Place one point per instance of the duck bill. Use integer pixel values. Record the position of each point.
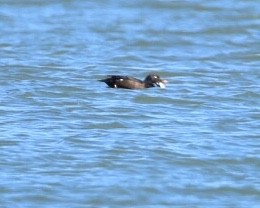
(161, 83)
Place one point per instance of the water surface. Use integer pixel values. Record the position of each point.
(69, 141)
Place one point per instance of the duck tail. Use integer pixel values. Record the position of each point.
(104, 79)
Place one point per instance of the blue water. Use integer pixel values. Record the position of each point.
(69, 141)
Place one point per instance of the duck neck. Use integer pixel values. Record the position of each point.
(149, 84)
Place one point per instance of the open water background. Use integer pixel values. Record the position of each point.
(67, 140)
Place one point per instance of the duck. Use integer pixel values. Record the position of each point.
(126, 82)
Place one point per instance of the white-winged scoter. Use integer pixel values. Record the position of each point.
(152, 80)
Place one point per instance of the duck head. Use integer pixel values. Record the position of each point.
(155, 80)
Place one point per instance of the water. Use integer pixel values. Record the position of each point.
(69, 141)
